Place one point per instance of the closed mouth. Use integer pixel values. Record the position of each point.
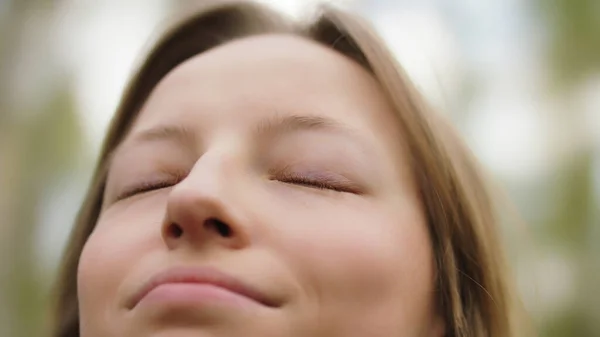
(203, 275)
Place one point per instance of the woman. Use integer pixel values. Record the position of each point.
(264, 177)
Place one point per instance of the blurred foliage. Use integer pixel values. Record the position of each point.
(574, 27)
(49, 148)
(570, 224)
(36, 152)
(574, 56)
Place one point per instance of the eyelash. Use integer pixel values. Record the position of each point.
(323, 183)
(146, 187)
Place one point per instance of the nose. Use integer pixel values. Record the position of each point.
(201, 210)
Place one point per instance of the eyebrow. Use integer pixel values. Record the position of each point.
(290, 123)
(178, 134)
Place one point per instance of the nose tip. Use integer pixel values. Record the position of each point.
(197, 215)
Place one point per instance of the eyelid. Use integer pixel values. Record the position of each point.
(144, 185)
(317, 179)
(140, 188)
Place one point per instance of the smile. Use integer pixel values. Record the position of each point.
(197, 286)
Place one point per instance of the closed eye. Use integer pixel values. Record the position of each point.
(145, 187)
(319, 181)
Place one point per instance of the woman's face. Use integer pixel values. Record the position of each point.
(264, 190)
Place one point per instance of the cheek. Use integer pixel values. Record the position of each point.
(364, 257)
(122, 237)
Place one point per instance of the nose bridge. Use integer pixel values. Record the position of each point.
(219, 168)
(208, 183)
(209, 174)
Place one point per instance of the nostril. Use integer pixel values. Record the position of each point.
(175, 230)
(222, 228)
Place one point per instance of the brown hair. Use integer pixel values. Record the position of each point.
(475, 295)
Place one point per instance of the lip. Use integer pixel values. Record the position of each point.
(201, 276)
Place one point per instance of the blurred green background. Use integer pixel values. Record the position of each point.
(520, 78)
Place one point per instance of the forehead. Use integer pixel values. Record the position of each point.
(242, 82)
